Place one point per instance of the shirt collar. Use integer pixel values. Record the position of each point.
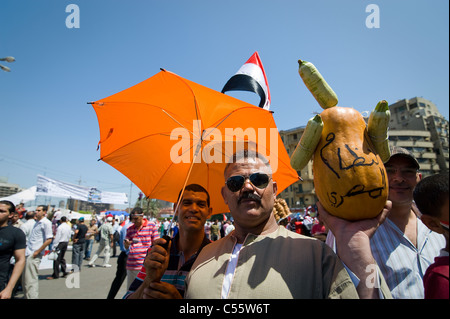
(174, 248)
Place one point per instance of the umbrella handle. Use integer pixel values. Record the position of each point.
(166, 245)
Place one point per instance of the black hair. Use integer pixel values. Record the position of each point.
(431, 193)
(44, 208)
(30, 215)
(137, 211)
(11, 206)
(245, 154)
(198, 189)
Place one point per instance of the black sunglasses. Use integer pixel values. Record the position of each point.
(259, 180)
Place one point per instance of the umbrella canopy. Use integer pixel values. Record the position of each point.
(167, 132)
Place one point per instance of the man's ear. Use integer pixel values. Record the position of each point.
(275, 188)
(419, 177)
(432, 223)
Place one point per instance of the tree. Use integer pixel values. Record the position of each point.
(150, 206)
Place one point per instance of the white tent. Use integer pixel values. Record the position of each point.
(74, 215)
(22, 197)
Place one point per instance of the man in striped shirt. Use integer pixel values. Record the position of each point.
(162, 277)
(403, 246)
(139, 238)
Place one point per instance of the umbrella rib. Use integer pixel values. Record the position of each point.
(193, 95)
(133, 141)
(218, 124)
(175, 120)
(155, 106)
(228, 115)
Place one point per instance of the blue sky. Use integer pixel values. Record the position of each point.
(49, 129)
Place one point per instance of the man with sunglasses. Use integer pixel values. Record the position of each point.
(260, 259)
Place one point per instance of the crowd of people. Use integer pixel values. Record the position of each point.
(305, 223)
(250, 254)
(38, 233)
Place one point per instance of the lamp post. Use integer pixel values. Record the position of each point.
(7, 59)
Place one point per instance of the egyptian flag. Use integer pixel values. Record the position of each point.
(251, 77)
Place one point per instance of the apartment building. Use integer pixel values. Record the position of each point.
(6, 188)
(417, 125)
(300, 194)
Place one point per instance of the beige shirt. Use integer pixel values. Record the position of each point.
(282, 264)
(91, 231)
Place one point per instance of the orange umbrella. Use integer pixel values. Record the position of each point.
(167, 132)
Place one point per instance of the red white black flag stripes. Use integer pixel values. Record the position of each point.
(251, 77)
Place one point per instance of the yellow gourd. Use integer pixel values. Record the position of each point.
(349, 176)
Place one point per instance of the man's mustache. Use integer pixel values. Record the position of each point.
(248, 195)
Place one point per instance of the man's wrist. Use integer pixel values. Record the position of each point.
(356, 255)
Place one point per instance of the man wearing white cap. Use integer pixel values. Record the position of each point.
(106, 241)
